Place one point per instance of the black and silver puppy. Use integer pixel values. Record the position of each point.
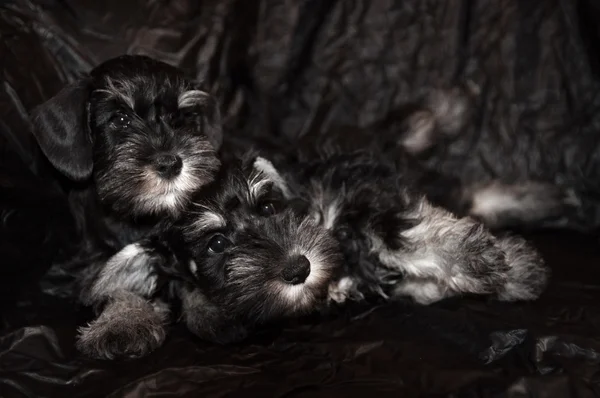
(397, 243)
(139, 132)
(241, 255)
(289, 240)
(133, 140)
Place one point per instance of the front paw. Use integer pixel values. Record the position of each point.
(126, 329)
(343, 290)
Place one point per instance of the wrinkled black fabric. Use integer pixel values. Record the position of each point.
(295, 68)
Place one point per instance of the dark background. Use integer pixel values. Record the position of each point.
(294, 68)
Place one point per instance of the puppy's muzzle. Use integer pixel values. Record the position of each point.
(168, 165)
(296, 270)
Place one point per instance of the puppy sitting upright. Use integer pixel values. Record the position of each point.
(133, 139)
(136, 138)
(143, 133)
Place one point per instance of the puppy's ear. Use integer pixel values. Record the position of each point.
(61, 128)
(207, 321)
(208, 108)
(264, 167)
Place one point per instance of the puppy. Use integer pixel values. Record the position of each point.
(284, 241)
(397, 243)
(241, 255)
(132, 141)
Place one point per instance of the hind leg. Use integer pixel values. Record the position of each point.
(445, 256)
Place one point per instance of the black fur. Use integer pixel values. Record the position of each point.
(134, 140)
(339, 206)
(394, 238)
(108, 131)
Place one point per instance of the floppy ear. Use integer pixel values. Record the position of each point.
(61, 128)
(210, 114)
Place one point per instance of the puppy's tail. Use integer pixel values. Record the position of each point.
(527, 276)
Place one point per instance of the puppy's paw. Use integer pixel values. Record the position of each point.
(344, 289)
(527, 275)
(422, 291)
(482, 266)
(127, 328)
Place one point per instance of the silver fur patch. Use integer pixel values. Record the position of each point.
(191, 98)
(123, 90)
(207, 221)
(266, 169)
(127, 270)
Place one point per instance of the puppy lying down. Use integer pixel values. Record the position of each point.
(264, 242)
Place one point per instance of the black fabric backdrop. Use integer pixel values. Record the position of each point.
(293, 68)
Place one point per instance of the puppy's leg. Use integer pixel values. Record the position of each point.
(132, 269)
(526, 204)
(444, 256)
(346, 288)
(527, 276)
(128, 327)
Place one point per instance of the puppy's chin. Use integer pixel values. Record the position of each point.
(160, 195)
(143, 192)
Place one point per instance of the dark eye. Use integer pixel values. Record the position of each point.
(120, 121)
(266, 209)
(218, 244)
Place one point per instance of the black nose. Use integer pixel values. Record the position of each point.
(168, 165)
(296, 270)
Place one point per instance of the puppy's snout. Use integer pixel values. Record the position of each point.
(296, 270)
(168, 165)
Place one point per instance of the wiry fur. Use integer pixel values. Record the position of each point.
(222, 295)
(135, 139)
(129, 326)
(244, 285)
(141, 109)
(392, 240)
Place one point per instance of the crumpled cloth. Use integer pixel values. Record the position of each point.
(294, 68)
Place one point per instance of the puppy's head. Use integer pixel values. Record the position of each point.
(146, 133)
(253, 259)
(365, 203)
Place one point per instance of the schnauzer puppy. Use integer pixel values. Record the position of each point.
(135, 138)
(240, 256)
(270, 243)
(396, 243)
